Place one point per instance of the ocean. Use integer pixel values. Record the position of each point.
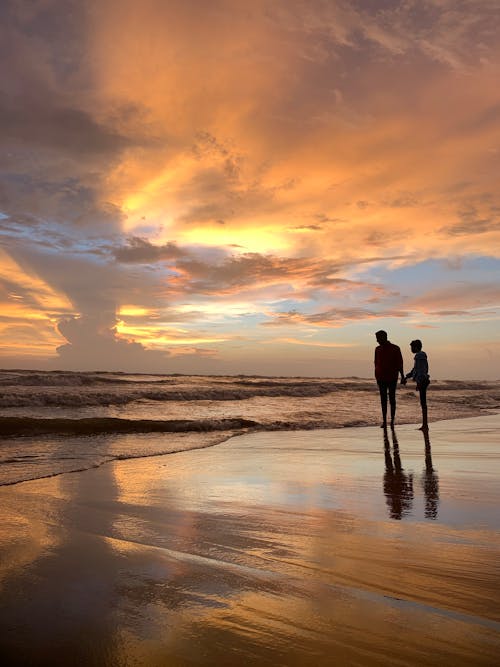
(53, 422)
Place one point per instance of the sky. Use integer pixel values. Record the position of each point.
(225, 186)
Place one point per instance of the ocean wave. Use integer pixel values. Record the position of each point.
(28, 426)
(94, 398)
(38, 389)
(57, 379)
(96, 378)
(24, 426)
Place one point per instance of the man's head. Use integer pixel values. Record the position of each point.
(381, 336)
(416, 345)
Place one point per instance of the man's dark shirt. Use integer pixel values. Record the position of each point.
(388, 362)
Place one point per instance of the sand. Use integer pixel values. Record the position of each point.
(286, 548)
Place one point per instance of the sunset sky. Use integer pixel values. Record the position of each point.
(236, 186)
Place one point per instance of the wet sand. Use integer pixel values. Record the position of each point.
(334, 547)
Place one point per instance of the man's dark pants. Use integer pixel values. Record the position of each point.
(384, 389)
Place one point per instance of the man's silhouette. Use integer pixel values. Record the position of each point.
(388, 365)
(398, 485)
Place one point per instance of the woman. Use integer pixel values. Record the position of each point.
(420, 373)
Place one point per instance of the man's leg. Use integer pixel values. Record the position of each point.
(423, 404)
(392, 399)
(382, 387)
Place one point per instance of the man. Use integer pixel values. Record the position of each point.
(388, 365)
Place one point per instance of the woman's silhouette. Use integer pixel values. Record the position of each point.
(420, 373)
(430, 482)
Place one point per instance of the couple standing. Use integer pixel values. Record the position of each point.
(389, 364)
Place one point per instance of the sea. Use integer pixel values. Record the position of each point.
(54, 422)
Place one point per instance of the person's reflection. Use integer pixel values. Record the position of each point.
(398, 486)
(430, 481)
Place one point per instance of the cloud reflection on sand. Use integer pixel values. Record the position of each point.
(277, 547)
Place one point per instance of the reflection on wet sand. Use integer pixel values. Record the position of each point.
(267, 550)
(58, 608)
(398, 485)
(430, 481)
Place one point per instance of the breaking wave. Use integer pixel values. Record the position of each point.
(27, 426)
(55, 396)
(121, 397)
(21, 426)
(72, 379)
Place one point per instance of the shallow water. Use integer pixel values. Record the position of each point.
(74, 421)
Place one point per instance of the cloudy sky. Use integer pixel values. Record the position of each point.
(225, 186)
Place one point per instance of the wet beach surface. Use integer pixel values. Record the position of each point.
(347, 546)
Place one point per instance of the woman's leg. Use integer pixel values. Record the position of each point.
(423, 404)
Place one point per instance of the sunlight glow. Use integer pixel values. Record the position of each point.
(310, 343)
(46, 297)
(135, 311)
(261, 239)
(150, 336)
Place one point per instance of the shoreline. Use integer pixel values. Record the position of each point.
(219, 439)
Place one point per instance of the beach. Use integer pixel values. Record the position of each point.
(345, 546)
(249, 333)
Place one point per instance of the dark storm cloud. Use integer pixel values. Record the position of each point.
(402, 200)
(56, 148)
(42, 45)
(210, 195)
(232, 271)
(198, 270)
(240, 271)
(202, 213)
(207, 145)
(39, 123)
(322, 217)
(475, 218)
(141, 251)
(446, 313)
(31, 201)
(253, 270)
(329, 318)
(308, 228)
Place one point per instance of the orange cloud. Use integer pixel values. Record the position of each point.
(332, 317)
(219, 153)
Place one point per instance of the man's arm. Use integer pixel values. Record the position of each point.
(411, 374)
(400, 362)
